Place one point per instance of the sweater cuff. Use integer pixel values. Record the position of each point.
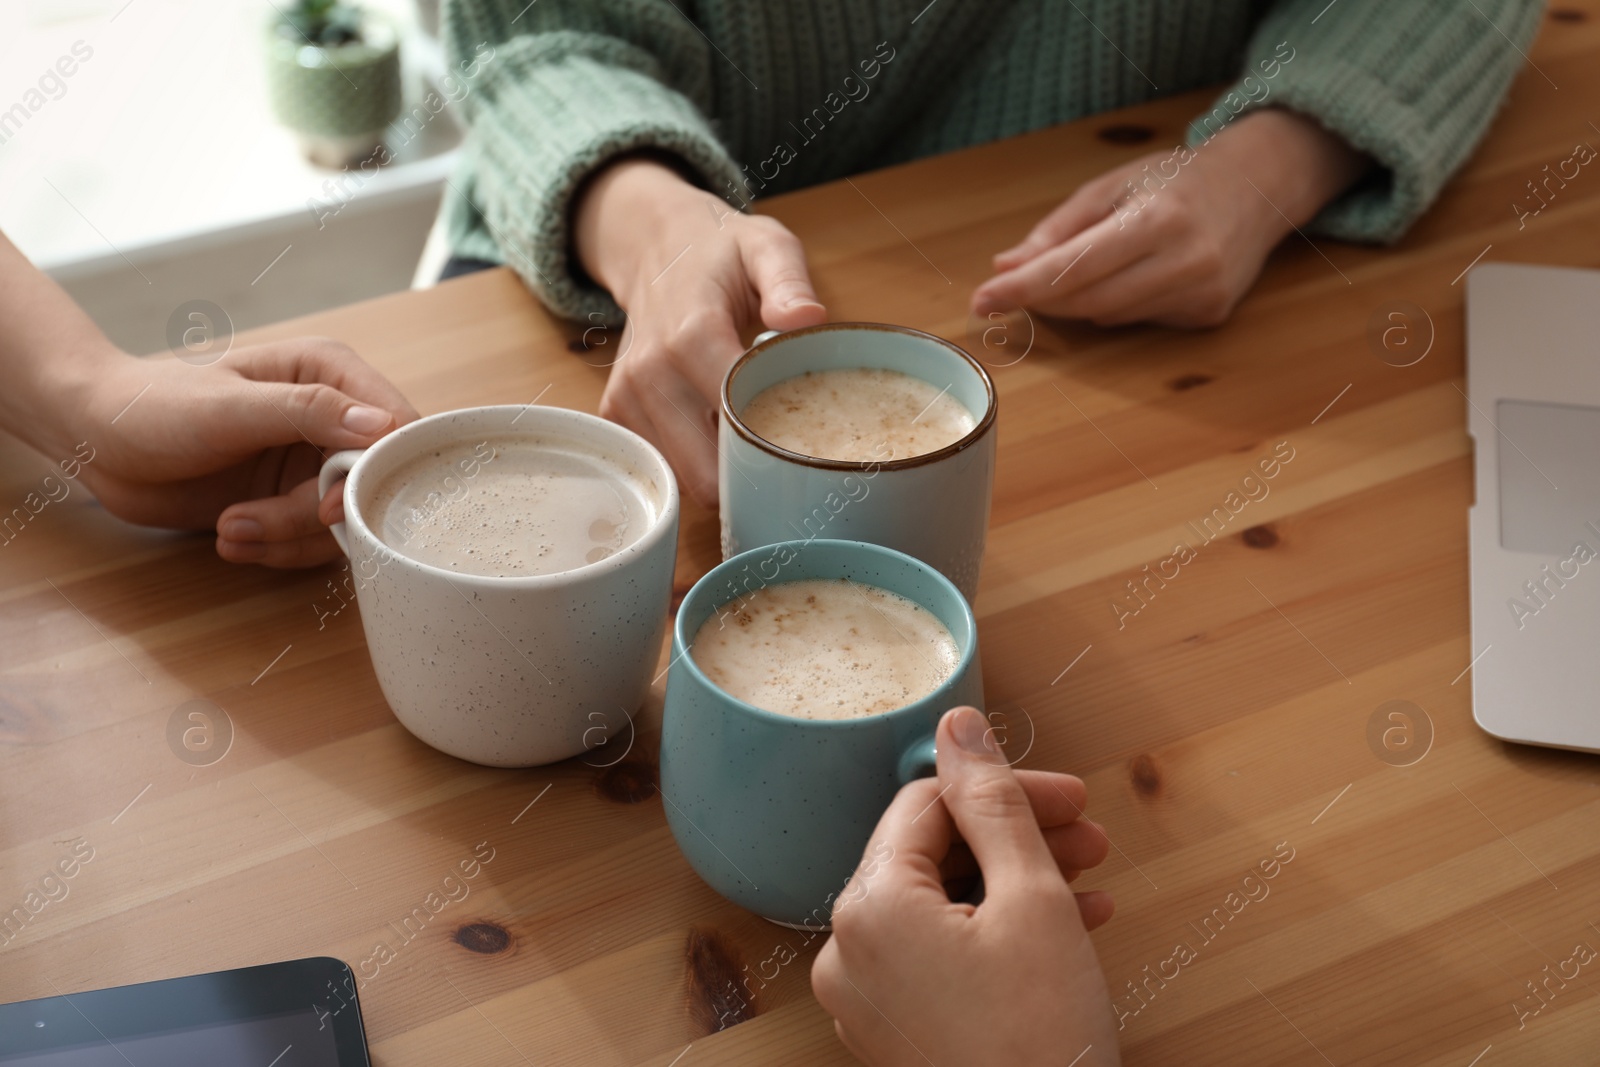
(525, 173)
(1405, 179)
(1418, 116)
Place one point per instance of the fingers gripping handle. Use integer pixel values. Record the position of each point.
(335, 467)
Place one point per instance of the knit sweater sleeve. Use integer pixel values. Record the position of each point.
(1411, 83)
(559, 88)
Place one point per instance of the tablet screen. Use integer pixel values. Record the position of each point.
(301, 1013)
(275, 1041)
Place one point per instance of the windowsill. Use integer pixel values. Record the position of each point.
(163, 134)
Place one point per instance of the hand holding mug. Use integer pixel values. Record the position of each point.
(912, 977)
(235, 445)
(232, 444)
(692, 274)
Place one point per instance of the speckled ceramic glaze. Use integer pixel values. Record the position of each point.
(511, 672)
(772, 811)
(934, 507)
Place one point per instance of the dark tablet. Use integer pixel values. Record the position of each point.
(300, 1013)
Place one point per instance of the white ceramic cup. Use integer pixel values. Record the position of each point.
(511, 672)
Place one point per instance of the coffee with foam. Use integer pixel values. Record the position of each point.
(825, 649)
(511, 507)
(859, 415)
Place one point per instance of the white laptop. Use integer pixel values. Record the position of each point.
(1533, 382)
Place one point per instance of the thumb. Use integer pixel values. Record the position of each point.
(775, 262)
(989, 806)
(252, 415)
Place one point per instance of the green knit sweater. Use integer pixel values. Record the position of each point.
(761, 96)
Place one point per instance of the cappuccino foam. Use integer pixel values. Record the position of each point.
(510, 507)
(858, 415)
(826, 649)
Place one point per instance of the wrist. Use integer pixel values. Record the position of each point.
(52, 357)
(56, 406)
(621, 212)
(1295, 162)
(86, 394)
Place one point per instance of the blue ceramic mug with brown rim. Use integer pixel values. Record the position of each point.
(933, 506)
(774, 811)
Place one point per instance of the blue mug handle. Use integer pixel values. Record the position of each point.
(918, 761)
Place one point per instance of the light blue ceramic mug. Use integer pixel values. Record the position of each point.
(774, 811)
(933, 506)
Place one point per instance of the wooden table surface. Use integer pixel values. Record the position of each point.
(1437, 875)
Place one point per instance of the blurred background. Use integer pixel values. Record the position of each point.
(147, 159)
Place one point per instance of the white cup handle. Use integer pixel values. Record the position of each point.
(765, 335)
(335, 467)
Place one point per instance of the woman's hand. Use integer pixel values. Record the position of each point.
(1176, 237)
(235, 445)
(911, 978)
(693, 275)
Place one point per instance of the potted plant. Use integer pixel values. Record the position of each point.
(333, 76)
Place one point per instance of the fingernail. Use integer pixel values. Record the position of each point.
(362, 419)
(242, 530)
(971, 731)
(800, 302)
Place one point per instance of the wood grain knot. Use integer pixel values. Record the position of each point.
(1567, 14)
(718, 995)
(484, 938)
(1126, 133)
(627, 782)
(1146, 776)
(577, 344)
(1263, 536)
(1189, 381)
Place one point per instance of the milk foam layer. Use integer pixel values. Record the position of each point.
(825, 649)
(858, 415)
(510, 507)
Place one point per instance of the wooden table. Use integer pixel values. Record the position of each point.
(1435, 872)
